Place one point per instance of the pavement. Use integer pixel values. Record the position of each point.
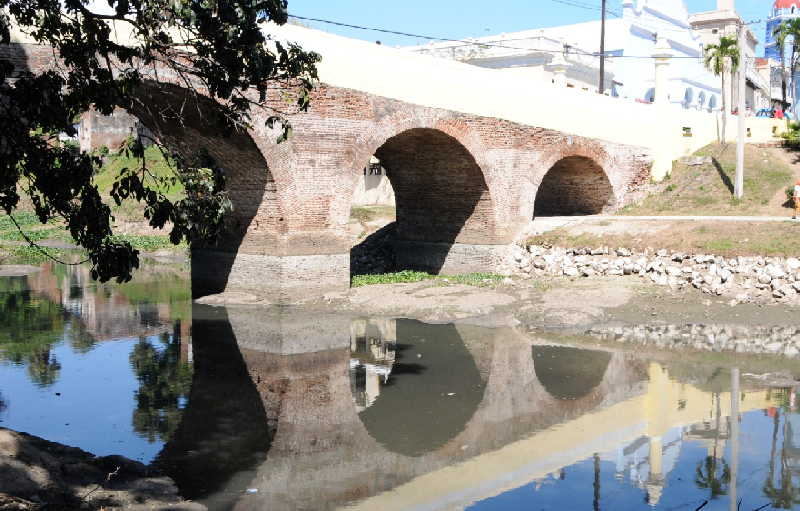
(544, 224)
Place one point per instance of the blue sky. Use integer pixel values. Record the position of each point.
(458, 19)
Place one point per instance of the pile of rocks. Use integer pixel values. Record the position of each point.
(374, 255)
(783, 340)
(741, 278)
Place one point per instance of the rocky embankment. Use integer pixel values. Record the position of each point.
(39, 475)
(782, 340)
(743, 279)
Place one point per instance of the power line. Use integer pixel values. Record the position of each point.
(583, 5)
(465, 42)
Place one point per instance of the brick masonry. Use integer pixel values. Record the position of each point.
(465, 185)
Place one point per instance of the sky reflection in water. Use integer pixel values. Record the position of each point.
(334, 411)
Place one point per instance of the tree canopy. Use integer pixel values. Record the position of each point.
(216, 47)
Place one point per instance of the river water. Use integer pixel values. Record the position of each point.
(279, 409)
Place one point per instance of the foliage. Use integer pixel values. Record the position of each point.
(408, 276)
(721, 59)
(714, 475)
(215, 47)
(723, 56)
(788, 30)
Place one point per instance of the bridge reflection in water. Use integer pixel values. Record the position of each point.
(289, 411)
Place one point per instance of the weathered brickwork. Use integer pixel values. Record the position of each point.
(574, 185)
(464, 183)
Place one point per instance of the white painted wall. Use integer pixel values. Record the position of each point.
(451, 85)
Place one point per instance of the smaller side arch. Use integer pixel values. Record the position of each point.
(574, 185)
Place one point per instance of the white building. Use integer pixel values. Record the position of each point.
(630, 43)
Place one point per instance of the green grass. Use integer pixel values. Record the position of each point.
(23, 218)
(706, 189)
(36, 235)
(26, 254)
(147, 243)
(156, 165)
(408, 276)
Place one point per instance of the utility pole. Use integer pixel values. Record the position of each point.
(738, 186)
(602, 88)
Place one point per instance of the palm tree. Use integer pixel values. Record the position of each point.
(721, 59)
(790, 30)
(780, 41)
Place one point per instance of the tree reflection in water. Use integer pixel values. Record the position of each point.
(164, 381)
(713, 474)
(785, 494)
(29, 327)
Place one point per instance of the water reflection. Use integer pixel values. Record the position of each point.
(58, 325)
(360, 420)
(415, 395)
(253, 408)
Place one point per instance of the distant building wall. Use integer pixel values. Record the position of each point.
(373, 190)
(98, 130)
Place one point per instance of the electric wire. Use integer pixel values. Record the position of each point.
(466, 42)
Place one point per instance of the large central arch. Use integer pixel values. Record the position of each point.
(441, 197)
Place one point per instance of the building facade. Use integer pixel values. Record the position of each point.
(631, 41)
(724, 21)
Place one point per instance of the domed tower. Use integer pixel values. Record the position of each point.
(782, 10)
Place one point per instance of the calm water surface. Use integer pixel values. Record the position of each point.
(276, 409)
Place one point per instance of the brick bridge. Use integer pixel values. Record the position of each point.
(466, 185)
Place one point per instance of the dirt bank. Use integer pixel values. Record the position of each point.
(37, 474)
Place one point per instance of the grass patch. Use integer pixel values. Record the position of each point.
(26, 254)
(409, 276)
(364, 214)
(147, 243)
(23, 218)
(36, 235)
(728, 239)
(708, 189)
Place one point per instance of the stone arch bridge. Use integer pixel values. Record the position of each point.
(466, 184)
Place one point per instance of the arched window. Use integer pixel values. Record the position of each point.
(688, 96)
(712, 103)
(701, 100)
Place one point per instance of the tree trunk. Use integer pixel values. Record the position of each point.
(724, 107)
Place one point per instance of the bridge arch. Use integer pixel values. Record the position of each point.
(427, 393)
(442, 190)
(567, 373)
(191, 124)
(574, 184)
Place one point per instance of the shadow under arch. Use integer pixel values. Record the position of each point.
(224, 434)
(434, 389)
(574, 185)
(569, 373)
(441, 196)
(190, 124)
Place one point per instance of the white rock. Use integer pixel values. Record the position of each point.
(793, 263)
(570, 271)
